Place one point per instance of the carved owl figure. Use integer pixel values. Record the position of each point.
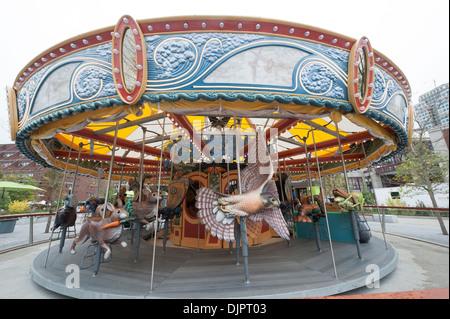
(259, 199)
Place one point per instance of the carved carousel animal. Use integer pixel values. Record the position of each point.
(258, 202)
(177, 191)
(103, 230)
(135, 186)
(308, 210)
(219, 122)
(99, 210)
(92, 203)
(353, 203)
(145, 211)
(348, 202)
(122, 196)
(66, 215)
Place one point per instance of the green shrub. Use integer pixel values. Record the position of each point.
(19, 207)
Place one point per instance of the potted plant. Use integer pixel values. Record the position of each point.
(8, 224)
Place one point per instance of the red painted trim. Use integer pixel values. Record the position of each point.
(357, 137)
(109, 139)
(125, 23)
(105, 158)
(324, 159)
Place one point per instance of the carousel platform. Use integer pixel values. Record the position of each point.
(276, 271)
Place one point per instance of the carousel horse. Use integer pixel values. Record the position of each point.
(103, 230)
(66, 215)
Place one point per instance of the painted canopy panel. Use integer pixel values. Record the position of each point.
(184, 65)
(199, 74)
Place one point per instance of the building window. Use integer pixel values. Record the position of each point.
(355, 183)
(23, 164)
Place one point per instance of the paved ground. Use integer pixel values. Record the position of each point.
(21, 234)
(421, 265)
(421, 228)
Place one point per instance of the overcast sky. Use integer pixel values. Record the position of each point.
(414, 34)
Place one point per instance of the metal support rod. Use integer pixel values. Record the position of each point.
(352, 218)
(99, 180)
(30, 231)
(324, 207)
(137, 223)
(137, 233)
(65, 173)
(379, 215)
(198, 219)
(121, 177)
(97, 260)
(279, 178)
(64, 229)
(141, 164)
(342, 159)
(230, 243)
(59, 198)
(62, 239)
(279, 171)
(291, 204)
(157, 201)
(76, 168)
(375, 197)
(113, 152)
(308, 173)
(308, 176)
(243, 223)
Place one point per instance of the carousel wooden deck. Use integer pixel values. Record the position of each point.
(276, 271)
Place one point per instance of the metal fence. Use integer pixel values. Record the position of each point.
(29, 229)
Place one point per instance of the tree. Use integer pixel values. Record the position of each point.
(50, 179)
(22, 195)
(424, 170)
(333, 181)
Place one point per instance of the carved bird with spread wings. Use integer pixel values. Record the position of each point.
(259, 199)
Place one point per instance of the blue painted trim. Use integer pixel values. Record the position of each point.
(345, 107)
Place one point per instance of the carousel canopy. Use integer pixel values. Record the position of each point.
(177, 88)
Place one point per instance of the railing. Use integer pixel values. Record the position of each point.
(30, 229)
(406, 208)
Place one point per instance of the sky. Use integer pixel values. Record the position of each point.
(413, 34)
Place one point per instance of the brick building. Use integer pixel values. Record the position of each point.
(14, 162)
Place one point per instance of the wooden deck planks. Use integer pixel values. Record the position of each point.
(276, 270)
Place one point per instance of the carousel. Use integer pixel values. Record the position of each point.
(211, 121)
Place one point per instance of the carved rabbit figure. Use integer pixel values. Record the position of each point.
(99, 210)
(145, 211)
(92, 228)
